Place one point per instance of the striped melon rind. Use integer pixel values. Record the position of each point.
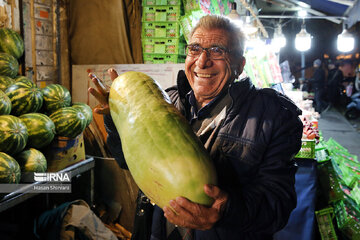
(5, 104)
(5, 82)
(9, 169)
(25, 97)
(9, 66)
(11, 42)
(56, 96)
(69, 122)
(13, 134)
(86, 110)
(41, 129)
(31, 160)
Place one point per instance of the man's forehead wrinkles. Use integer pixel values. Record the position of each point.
(213, 40)
(212, 37)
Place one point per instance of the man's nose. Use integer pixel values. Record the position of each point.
(204, 59)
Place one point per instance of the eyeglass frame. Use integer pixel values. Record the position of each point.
(207, 51)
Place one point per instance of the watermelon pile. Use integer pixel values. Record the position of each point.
(30, 117)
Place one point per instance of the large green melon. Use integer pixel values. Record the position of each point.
(69, 122)
(162, 152)
(22, 79)
(86, 110)
(25, 97)
(5, 104)
(9, 169)
(31, 160)
(5, 82)
(9, 65)
(13, 134)
(11, 42)
(56, 96)
(41, 129)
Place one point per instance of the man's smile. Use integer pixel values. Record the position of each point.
(204, 75)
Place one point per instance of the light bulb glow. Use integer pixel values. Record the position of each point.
(302, 13)
(345, 42)
(278, 42)
(256, 46)
(303, 41)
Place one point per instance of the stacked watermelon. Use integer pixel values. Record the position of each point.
(31, 117)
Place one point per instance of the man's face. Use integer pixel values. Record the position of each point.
(348, 70)
(207, 77)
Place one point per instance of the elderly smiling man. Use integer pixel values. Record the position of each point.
(251, 134)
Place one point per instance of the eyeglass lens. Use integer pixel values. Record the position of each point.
(213, 52)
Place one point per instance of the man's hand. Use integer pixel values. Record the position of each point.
(194, 215)
(101, 93)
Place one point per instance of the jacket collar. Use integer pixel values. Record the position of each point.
(238, 90)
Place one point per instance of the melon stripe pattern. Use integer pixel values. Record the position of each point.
(9, 66)
(11, 42)
(41, 129)
(9, 169)
(25, 97)
(69, 122)
(86, 110)
(5, 104)
(22, 79)
(162, 152)
(31, 160)
(56, 96)
(13, 134)
(5, 82)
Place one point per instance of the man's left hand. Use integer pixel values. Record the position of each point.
(194, 215)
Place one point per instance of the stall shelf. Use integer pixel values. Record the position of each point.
(14, 198)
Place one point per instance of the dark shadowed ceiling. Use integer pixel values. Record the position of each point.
(325, 20)
(347, 11)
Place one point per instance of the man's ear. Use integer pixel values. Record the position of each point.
(242, 62)
(238, 67)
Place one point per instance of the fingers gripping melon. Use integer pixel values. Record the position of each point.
(162, 152)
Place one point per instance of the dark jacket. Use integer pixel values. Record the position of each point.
(318, 78)
(252, 153)
(334, 78)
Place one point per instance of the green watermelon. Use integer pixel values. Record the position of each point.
(9, 169)
(5, 104)
(5, 82)
(9, 66)
(11, 42)
(31, 160)
(25, 97)
(22, 79)
(164, 156)
(86, 110)
(56, 96)
(41, 129)
(69, 122)
(13, 134)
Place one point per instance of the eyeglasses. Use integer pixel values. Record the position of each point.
(214, 53)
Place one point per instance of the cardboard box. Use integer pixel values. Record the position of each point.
(63, 152)
(307, 149)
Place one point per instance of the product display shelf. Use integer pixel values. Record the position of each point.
(162, 40)
(14, 198)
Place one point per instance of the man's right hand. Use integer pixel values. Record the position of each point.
(101, 93)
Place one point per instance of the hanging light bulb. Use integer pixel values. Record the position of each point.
(249, 26)
(279, 40)
(234, 16)
(345, 41)
(303, 40)
(243, 22)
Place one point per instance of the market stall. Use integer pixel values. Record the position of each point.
(54, 155)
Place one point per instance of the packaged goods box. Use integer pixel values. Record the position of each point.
(63, 152)
(307, 149)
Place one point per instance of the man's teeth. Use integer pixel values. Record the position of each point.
(204, 75)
